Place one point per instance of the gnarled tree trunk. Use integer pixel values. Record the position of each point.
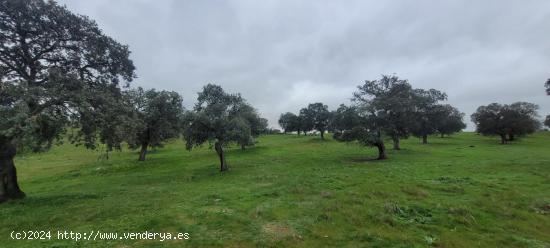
(9, 188)
(143, 151)
(396, 145)
(425, 139)
(221, 155)
(381, 150)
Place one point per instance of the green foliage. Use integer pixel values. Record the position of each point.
(428, 113)
(359, 133)
(392, 101)
(450, 120)
(248, 126)
(316, 116)
(221, 118)
(517, 119)
(104, 119)
(399, 110)
(306, 120)
(239, 131)
(344, 118)
(289, 122)
(158, 117)
(56, 69)
(354, 125)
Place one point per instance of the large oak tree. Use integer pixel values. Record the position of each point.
(392, 101)
(56, 69)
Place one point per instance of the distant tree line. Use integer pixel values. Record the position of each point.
(315, 116)
(388, 107)
(391, 107)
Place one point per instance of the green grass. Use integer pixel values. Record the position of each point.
(461, 191)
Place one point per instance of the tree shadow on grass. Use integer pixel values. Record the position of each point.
(208, 171)
(247, 150)
(362, 159)
(56, 200)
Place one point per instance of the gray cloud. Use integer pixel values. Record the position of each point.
(283, 54)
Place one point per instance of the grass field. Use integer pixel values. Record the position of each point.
(461, 191)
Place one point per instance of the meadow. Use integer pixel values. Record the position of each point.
(293, 191)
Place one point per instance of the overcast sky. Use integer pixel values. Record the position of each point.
(282, 55)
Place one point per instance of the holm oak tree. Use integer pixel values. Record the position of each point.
(220, 118)
(158, 117)
(57, 69)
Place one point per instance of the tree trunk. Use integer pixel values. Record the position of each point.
(396, 143)
(143, 151)
(503, 139)
(511, 137)
(243, 147)
(298, 132)
(425, 139)
(221, 155)
(322, 134)
(9, 188)
(442, 135)
(381, 150)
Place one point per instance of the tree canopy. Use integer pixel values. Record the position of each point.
(289, 122)
(306, 121)
(158, 117)
(355, 123)
(449, 121)
(57, 69)
(344, 118)
(221, 118)
(317, 117)
(427, 112)
(506, 121)
(248, 127)
(392, 101)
